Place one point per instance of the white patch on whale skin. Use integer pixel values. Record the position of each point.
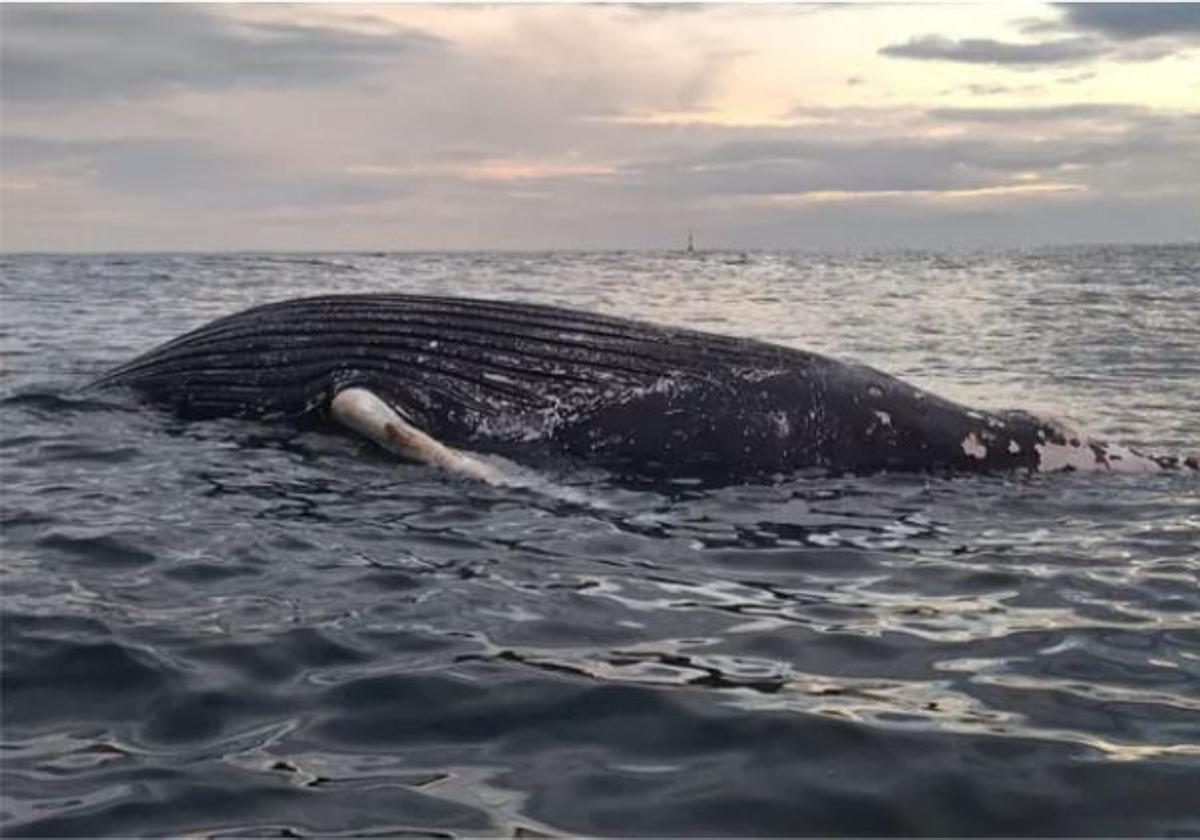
(1056, 457)
(781, 424)
(1014, 447)
(1084, 453)
(972, 447)
(756, 375)
(885, 419)
(1093, 456)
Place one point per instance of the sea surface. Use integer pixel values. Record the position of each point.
(231, 629)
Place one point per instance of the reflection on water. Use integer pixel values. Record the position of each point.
(233, 629)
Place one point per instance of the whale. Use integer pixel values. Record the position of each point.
(442, 380)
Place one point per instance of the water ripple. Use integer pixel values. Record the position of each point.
(230, 629)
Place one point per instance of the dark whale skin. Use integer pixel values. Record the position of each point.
(495, 375)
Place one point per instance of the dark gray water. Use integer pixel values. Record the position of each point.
(226, 628)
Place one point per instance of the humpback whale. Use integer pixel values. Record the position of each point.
(435, 378)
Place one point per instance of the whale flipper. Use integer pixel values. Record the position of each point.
(363, 412)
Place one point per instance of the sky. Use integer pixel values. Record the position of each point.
(410, 127)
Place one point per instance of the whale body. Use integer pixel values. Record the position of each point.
(504, 376)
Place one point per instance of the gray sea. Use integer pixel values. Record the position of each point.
(229, 628)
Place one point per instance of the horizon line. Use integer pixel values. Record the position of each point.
(723, 249)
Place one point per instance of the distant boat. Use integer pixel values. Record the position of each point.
(734, 258)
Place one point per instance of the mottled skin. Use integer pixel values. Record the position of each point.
(490, 375)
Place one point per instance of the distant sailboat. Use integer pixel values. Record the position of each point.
(691, 248)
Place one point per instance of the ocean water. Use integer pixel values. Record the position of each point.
(230, 629)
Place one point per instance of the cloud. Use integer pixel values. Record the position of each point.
(1090, 31)
(179, 174)
(1076, 78)
(85, 52)
(990, 51)
(809, 167)
(941, 195)
(1040, 113)
(278, 126)
(460, 167)
(719, 177)
(1133, 21)
(1140, 149)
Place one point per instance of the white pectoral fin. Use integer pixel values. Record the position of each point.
(363, 412)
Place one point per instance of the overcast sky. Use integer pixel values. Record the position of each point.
(267, 127)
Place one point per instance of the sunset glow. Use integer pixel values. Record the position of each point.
(207, 126)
